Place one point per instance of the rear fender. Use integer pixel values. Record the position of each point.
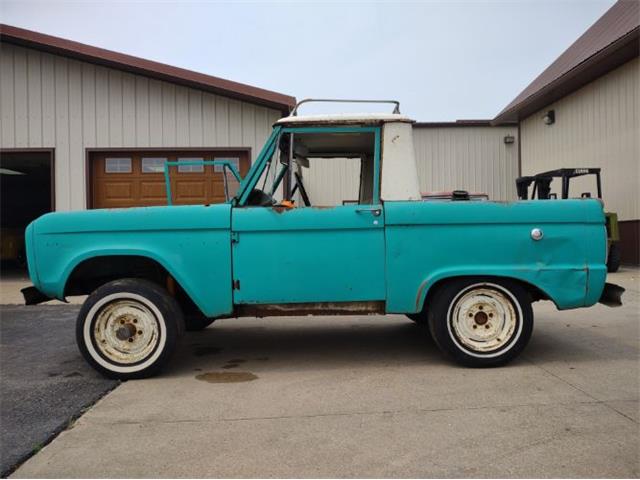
(565, 287)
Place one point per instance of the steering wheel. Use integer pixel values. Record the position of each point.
(258, 198)
(303, 192)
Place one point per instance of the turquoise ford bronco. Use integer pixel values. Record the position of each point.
(469, 270)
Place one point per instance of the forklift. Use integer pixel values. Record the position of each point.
(542, 191)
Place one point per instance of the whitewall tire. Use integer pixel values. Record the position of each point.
(481, 322)
(129, 328)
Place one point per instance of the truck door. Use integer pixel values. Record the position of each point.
(315, 253)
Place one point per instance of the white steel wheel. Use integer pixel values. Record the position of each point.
(481, 322)
(128, 328)
(484, 319)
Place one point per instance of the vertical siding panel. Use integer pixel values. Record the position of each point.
(471, 158)
(63, 187)
(88, 105)
(235, 123)
(34, 93)
(7, 97)
(21, 101)
(222, 121)
(129, 134)
(249, 128)
(142, 111)
(115, 108)
(195, 118)
(156, 103)
(595, 126)
(76, 157)
(102, 107)
(168, 115)
(48, 101)
(209, 119)
(182, 116)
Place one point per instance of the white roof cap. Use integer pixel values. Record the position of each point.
(371, 118)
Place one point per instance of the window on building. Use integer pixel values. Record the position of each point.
(235, 161)
(190, 168)
(153, 164)
(117, 165)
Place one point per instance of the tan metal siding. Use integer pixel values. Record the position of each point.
(448, 158)
(596, 126)
(51, 101)
(329, 181)
(475, 159)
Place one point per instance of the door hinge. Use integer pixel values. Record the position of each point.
(236, 284)
(235, 237)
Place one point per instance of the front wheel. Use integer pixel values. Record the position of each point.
(128, 328)
(481, 322)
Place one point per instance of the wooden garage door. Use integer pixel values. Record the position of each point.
(132, 179)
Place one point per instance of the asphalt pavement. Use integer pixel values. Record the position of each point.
(44, 382)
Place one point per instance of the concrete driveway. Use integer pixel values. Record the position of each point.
(371, 397)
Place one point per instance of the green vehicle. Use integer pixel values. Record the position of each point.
(470, 270)
(542, 191)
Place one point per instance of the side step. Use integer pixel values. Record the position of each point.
(611, 295)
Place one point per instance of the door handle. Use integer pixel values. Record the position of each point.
(375, 211)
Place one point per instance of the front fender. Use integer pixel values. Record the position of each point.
(193, 243)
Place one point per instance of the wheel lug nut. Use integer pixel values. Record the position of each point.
(491, 315)
(470, 315)
(475, 326)
(139, 332)
(135, 320)
(130, 339)
(121, 322)
(487, 326)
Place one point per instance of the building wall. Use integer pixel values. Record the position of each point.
(56, 102)
(475, 159)
(448, 158)
(596, 126)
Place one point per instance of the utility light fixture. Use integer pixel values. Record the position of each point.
(549, 118)
(509, 139)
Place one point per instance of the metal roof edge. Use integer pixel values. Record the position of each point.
(121, 61)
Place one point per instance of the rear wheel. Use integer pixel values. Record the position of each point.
(129, 328)
(481, 322)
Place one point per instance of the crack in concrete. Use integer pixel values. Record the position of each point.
(379, 412)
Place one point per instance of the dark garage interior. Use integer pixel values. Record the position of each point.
(25, 194)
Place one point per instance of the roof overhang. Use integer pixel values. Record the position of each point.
(616, 54)
(459, 123)
(140, 66)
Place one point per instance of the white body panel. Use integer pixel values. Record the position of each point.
(399, 177)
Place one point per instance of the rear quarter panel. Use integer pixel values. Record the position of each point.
(430, 241)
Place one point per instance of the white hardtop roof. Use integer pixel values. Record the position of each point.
(370, 118)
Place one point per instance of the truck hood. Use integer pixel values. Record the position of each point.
(175, 217)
